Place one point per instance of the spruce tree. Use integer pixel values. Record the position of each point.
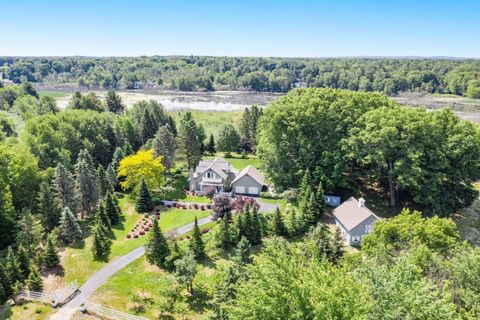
(144, 201)
(164, 145)
(70, 230)
(248, 225)
(4, 281)
(86, 188)
(102, 218)
(118, 155)
(64, 186)
(242, 252)
(256, 227)
(112, 209)
(338, 246)
(308, 215)
(320, 235)
(100, 244)
(211, 145)
(188, 142)
(279, 227)
(225, 233)
(12, 270)
(112, 179)
(320, 202)
(102, 182)
(34, 281)
(239, 226)
(196, 244)
(29, 232)
(51, 257)
(156, 248)
(48, 207)
(3, 295)
(147, 126)
(23, 262)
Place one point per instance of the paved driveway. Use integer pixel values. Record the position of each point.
(102, 275)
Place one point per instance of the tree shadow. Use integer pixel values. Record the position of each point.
(5, 311)
(199, 301)
(120, 225)
(55, 271)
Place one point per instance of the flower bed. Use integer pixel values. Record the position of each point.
(142, 227)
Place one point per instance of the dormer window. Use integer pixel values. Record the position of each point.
(209, 175)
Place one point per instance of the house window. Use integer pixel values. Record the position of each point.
(355, 239)
(209, 175)
(368, 228)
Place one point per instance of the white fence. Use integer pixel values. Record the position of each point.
(54, 299)
(113, 314)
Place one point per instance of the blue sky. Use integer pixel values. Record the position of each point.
(241, 28)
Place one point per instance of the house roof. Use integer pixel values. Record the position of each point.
(350, 215)
(219, 165)
(252, 172)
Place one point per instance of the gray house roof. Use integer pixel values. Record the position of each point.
(219, 165)
(252, 172)
(350, 214)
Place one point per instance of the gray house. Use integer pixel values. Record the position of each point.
(219, 173)
(354, 220)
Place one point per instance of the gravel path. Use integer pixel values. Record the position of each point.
(101, 276)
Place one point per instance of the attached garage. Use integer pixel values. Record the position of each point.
(239, 189)
(253, 190)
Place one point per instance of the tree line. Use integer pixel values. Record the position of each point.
(190, 73)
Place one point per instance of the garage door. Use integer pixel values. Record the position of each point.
(252, 190)
(239, 189)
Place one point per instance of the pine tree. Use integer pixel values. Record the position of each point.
(23, 262)
(211, 145)
(51, 257)
(156, 248)
(3, 295)
(114, 102)
(102, 181)
(100, 244)
(164, 145)
(320, 235)
(338, 247)
(111, 175)
(188, 143)
(242, 252)
(147, 126)
(308, 217)
(117, 156)
(224, 293)
(320, 203)
(48, 207)
(239, 226)
(144, 201)
(64, 187)
(34, 281)
(12, 270)
(225, 233)
(112, 209)
(256, 227)
(29, 232)
(248, 225)
(196, 244)
(4, 281)
(279, 227)
(185, 270)
(86, 188)
(70, 230)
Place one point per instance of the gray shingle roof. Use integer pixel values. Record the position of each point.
(253, 173)
(219, 165)
(350, 215)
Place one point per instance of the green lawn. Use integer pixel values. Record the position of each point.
(237, 162)
(78, 262)
(212, 121)
(28, 310)
(54, 94)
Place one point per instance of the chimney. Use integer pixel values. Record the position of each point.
(361, 202)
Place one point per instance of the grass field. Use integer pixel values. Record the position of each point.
(237, 161)
(78, 261)
(29, 310)
(212, 121)
(54, 94)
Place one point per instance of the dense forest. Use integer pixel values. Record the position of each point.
(191, 73)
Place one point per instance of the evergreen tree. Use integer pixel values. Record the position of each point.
(279, 227)
(86, 189)
(292, 219)
(147, 126)
(102, 182)
(114, 102)
(64, 187)
(224, 293)
(320, 235)
(100, 244)
(3, 295)
(111, 177)
(188, 143)
(225, 233)
(308, 215)
(338, 246)
(23, 262)
(211, 145)
(70, 230)
(248, 225)
(127, 149)
(117, 156)
(8, 222)
(156, 248)
(185, 270)
(102, 218)
(242, 252)
(196, 244)
(51, 257)
(320, 202)
(239, 224)
(164, 145)
(30, 232)
(112, 209)
(256, 227)
(5, 283)
(48, 207)
(144, 201)
(12, 270)
(34, 281)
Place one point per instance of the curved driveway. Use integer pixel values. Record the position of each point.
(102, 275)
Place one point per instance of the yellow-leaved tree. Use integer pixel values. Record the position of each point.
(142, 164)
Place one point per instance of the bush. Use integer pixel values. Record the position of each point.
(268, 195)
